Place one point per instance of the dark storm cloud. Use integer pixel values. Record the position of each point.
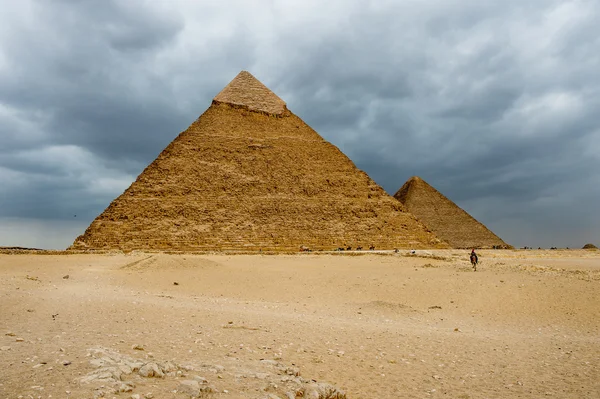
(493, 103)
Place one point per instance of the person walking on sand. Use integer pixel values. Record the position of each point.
(474, 259)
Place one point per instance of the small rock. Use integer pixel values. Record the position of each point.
(66, 362)
(149, 395)
(175, 283)
(320, 390)
(19, 340)
(151, 370)
(135, 396)
(126, 388)
(137, 347)
(66, 277)
(190, 387)
(10, 334)
(261, 376)
(5, 348)
(201, 380)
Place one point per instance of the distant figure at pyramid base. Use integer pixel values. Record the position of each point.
(444, 218)
(249, 175)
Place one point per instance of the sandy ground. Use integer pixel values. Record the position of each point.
(525, 325)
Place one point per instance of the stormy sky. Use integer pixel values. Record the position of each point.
(494, 103)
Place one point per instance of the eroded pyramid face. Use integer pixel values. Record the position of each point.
(250, 175)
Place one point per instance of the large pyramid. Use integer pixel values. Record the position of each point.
(250, 175)
(442, 216)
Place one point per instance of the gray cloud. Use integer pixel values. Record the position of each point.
(492, 103)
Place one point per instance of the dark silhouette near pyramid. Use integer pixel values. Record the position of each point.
(443, 217)
(250, 175)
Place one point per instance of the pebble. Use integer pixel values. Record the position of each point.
(125, 388)
(10, 334)
(137, 347)
(5, 348)
(151, 370)
(190, 387)
(66, 362)
(200, 379)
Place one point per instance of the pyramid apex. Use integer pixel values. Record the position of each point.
(247, 91)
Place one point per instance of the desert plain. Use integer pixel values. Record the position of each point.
(526, 324)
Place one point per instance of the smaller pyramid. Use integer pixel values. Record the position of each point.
(248, 92)
(444, 218)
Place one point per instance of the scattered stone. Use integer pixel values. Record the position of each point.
(175, 283)
(151, 370)
(10, 334)
(320, 391)
(66, 277)
(126, 387)
(113, 370)
(19, 340)
(189, 387)
(137, 347)
(5, 348)
(135, 396)
(66, 362)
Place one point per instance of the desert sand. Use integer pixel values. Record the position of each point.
(424, 325)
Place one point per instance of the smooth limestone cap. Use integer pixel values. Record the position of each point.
(247, 91)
